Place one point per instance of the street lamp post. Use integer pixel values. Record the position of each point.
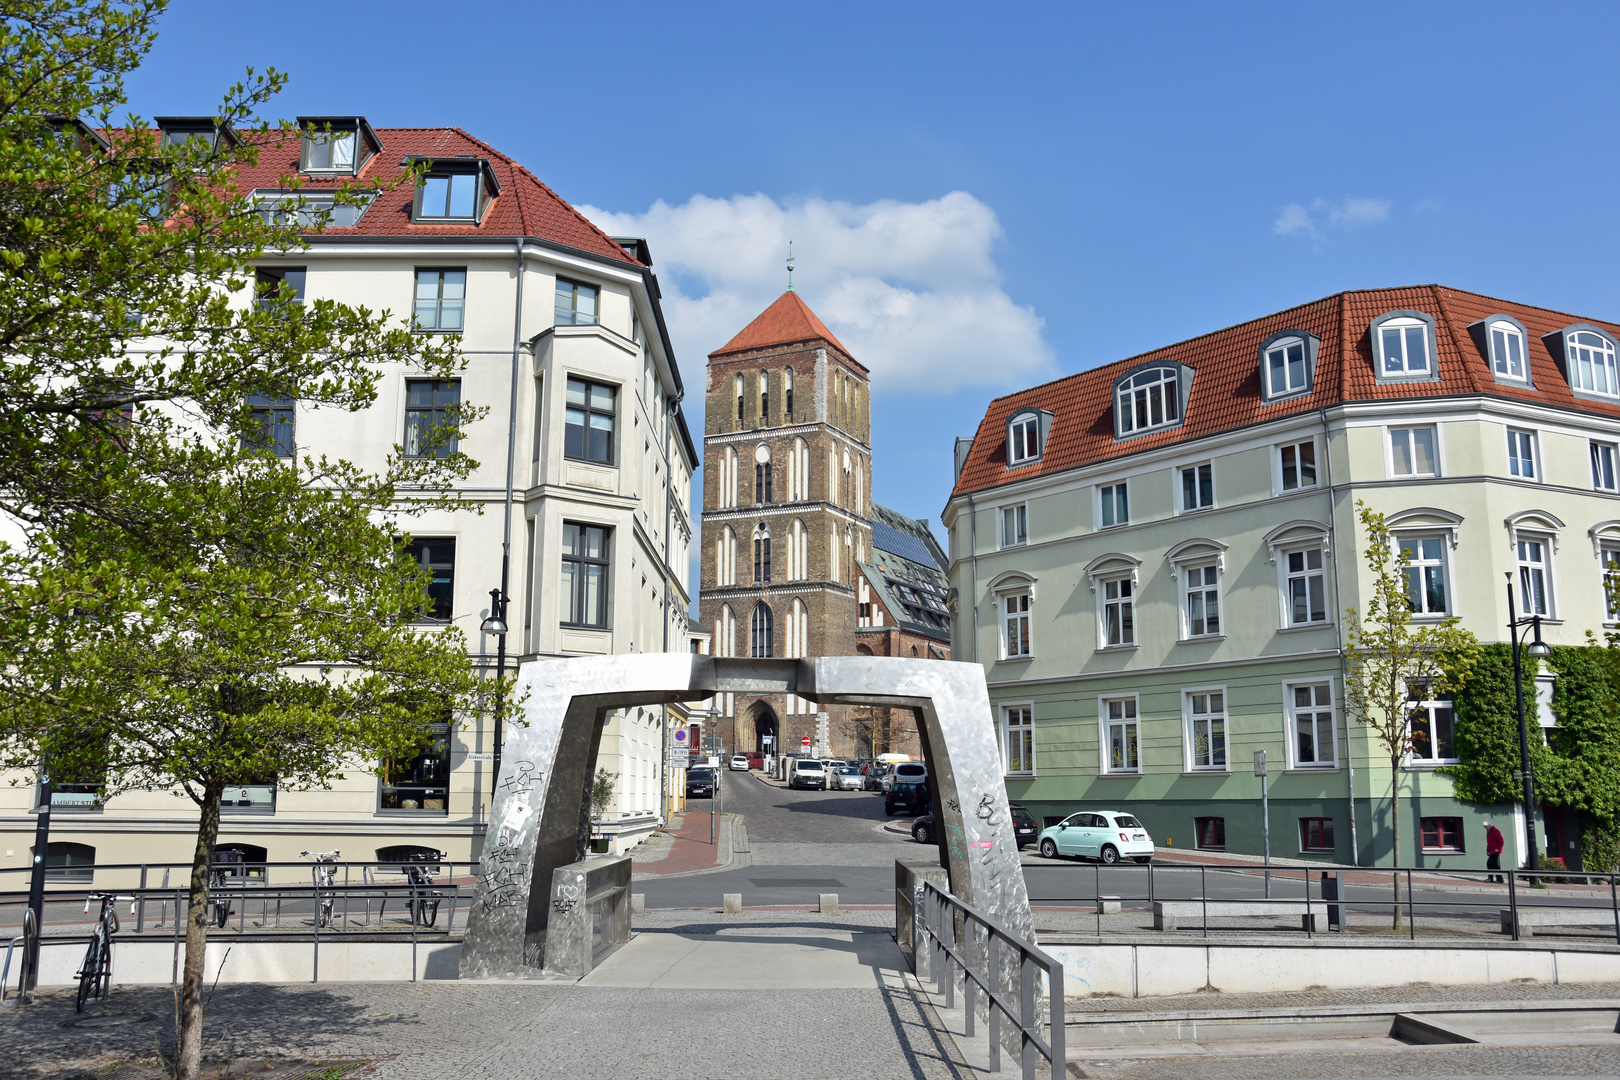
(1537, 651)
(496, 624)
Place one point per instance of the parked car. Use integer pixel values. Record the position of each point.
(906, 798)
(739, 763)
(756, 760)
(1025, 827)
(847, 778)
(808, 773)
(873, 780)
(906, 772)
(701, 782)
(924, 831)
(1105, 835)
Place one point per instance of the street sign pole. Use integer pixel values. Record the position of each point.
(1265, 812)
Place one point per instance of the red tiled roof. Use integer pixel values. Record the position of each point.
(787, 321)
(524, 207)
(1226, 393)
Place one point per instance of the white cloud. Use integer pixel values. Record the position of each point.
(1315, 220)
(911, 288)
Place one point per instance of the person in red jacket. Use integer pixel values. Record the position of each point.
(1493, 851)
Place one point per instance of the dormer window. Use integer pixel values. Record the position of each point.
(1403, 346)
(1150, 398)
(336, 144)
(179, 130)
(1287, 362)
(1591, 362)
(1507, 350)
(1024, 443)
(455, 190)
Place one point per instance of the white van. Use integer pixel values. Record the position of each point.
(905, 772)
(807, 773)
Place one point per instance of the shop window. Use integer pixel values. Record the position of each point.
(1316, 834)
(420, 784)
(1211, 832)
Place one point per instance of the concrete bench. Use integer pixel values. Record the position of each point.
(1530, 918)
(1167, 913)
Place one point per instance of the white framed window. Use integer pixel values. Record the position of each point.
(1609, 560)
(1286, 371)
(1015, 639)
(1121, 749)
(1535, 576)
(1430, 734)
(1413, 451)
(1024, 438)
(1403, 347)
(1296, 464)
(1427, 590)
(1304, 585)
(1521, 453)
(1603, 474)
(1205, 712)
(1118, 612)
(1311, 733)
(1591, 363)
(1014, 525)
(1018, 739)
(1201, 609)
(1114, 505)
(1197, 487)
(1507, 351)
(1149, 399)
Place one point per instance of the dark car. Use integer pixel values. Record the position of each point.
(700, 782)
(904, 798)
(872, 779)
(924, 831)
(1025, 828)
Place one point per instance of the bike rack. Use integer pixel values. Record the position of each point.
(24, 995)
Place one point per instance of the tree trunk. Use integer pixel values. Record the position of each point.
(188, 1055)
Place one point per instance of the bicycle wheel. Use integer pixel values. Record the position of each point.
(222, 913)
(91, 972)
(430, 912)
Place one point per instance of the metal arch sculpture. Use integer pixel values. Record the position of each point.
(540, 819)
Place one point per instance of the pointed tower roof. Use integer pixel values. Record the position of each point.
(787, 321)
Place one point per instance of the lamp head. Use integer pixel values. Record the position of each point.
(1538, 650)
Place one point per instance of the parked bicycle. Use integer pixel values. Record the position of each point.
(424, 907)
(95, 974)
(325, 874)
(219, 873)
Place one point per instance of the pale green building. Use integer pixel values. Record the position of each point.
(1152, 560)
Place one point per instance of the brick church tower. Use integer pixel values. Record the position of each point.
(787, 468)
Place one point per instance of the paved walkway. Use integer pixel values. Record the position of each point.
(688, 848)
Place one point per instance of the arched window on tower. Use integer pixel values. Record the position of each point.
(725, 567)
(728, 478)
(798, 639)
(787, 392)
(763, 634)
(739, 400)
(762, 555)
(799, 475)
(762, 474)
(725, 631)
(765, 397)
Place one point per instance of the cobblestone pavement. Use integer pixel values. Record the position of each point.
(519, 1030)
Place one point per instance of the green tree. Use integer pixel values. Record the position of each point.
(185, 612)
(1390, 664)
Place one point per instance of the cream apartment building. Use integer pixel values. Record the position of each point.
(566, 346)
(1152, 560)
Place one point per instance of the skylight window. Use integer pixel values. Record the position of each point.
(1149, 399)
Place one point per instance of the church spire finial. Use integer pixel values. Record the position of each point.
(790, 266)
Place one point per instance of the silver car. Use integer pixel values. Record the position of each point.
(846, 778)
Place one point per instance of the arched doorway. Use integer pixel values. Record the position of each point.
(763, 723)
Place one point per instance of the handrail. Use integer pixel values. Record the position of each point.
(940, 910)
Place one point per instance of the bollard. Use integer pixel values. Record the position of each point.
(1108, 905)
(731, 903)
(638, 903)
(828, 903)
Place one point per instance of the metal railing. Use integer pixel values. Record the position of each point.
(1317, 891)
(1002, 950)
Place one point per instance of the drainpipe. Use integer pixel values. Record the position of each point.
(506, 533)
(973, 559)
(1333, 538)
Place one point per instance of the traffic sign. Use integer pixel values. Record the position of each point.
(680, 737)
(805, 742)
(680, 758)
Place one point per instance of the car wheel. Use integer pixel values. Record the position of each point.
(919, 834)
(1110, 855)
(1048, 849)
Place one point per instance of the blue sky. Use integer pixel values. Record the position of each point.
(982, 198)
